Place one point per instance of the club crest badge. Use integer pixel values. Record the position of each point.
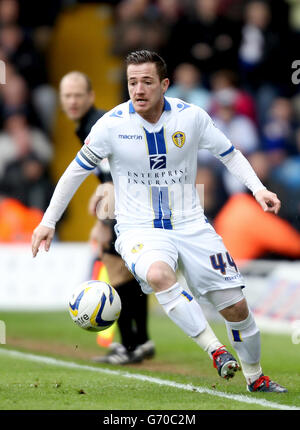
(136, 248)
(178, 139)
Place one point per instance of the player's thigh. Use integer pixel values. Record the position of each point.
(223, 299)
(205, 261)
(141, 248)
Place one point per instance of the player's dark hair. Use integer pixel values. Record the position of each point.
(145, 56)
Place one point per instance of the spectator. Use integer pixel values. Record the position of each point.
(19, 50)
(244, 102)
(39, 25)
(169, 11)
(286, 180)
(138, 27)
(21, 53)
(25, 156)
(277, 132)
(128, 10)
(9, 12)
(16, 99)
(239, 129)
(206, 39)
(27, 180)
(260, 48)
(188, 86)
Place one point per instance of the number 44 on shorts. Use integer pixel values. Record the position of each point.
(218, 262)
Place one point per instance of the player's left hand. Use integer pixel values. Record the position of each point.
(268, 201)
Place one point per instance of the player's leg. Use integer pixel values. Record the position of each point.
(179, 304)
(185, 311)
(244, 336)
(152, 257)
(213, 273)
(176, 302)
(132, 323)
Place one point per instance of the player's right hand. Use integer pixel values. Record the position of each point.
(40, 234)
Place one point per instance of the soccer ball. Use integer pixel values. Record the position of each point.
(94, 305)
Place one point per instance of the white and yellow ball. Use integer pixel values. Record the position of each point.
(94, 305)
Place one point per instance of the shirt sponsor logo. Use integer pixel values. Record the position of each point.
(130, 136)
(158, 162)
(178, 139)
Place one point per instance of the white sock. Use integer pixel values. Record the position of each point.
(207, 340)
(245, 339)
(182, 309)
(251, 371)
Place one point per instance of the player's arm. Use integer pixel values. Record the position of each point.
(268, 201)
(240, 167)
(66, 187)
(215, 141)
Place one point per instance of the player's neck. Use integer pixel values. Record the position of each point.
(154, 115)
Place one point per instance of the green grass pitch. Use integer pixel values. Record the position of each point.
(189, 380)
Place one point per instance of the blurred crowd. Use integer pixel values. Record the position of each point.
(233, 58)
(27, 110)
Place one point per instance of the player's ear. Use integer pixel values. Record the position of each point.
(165, 84)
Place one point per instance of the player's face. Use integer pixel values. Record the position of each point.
(75, 99)
(146, 90)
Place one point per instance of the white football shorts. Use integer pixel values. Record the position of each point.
(196, 250)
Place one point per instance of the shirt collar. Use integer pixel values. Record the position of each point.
(167, 106)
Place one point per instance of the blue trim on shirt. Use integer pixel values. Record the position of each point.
(227, 152)
(82, 164)
(167, 106)
(131, 108)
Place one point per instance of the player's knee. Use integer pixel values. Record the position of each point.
(237, 312)
(160, 276)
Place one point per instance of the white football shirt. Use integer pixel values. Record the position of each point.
(154, 166)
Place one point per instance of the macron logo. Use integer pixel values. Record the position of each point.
(130, 136)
